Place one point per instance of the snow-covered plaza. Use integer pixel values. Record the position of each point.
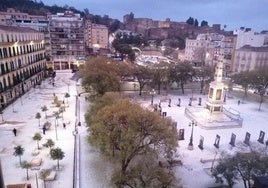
(93, 169)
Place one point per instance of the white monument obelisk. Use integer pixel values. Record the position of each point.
(216, 90)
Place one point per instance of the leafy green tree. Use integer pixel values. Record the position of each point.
(43, 174)
(181, 73)
(49, 144)
(38, 116)
(190, 21)
(114, 26)
(204, 23)
(160, 75)
(243, 166)
(26, 165)
(57, 154)
(44, 109)
(37, 137)
(143, 75)
(196, 23)
(102, 75)
(125, 131)
(61, 111)
(243, 79)
(56, 115)
(18, 151)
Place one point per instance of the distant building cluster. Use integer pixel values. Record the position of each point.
(30, 44)
(68, 37)
(244, 50)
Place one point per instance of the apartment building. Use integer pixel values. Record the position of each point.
(13, 17)
(96, 35)
(67, 40)
(245, 36)
(250, 58)
(22, 61)
(195, 50)
(210, 49)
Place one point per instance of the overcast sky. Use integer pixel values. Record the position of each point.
(233, 13)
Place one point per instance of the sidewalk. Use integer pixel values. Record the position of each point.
(23, 119)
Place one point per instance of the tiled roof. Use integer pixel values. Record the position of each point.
(17, 29)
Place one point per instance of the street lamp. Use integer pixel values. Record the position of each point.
(191, 145)
(152, 93)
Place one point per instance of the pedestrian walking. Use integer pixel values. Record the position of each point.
(238, 102)
(44, 129)
(64, 125)
(15, 131)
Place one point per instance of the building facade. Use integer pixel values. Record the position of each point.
(67, 40)
(96, 35)
(250, 58)
(22, 61)
(245, 36)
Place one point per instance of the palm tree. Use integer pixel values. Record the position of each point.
(43, 174)
(57, 154)
(67, 95)
(19, 150)
(38, 116)
(57, 115)
(44, 109)
(37, 137)
(49, 144)
(61, 110)
(26, 165)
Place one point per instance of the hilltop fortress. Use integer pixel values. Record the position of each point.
(153, 29)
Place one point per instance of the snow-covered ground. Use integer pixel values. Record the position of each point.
(95, 170)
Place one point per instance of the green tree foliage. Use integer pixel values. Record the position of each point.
(44, 109)
(243, 166)
(18, 151)
(123, 44)
(33, 7)
(143, 75)
(26, 165)
(196, 23)
(57, 154)
(38, 116)
(181, 73)
(125, 132)
(67, 95)
(115, 25)
(101, 75)
(49, 144)
(37, 137)
(160, 75)
(190, 21)
(243, 79)
(43, 174)
(204, 23)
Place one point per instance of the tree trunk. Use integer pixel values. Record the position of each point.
(27, 174)
(58, 164)
(182, 88)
